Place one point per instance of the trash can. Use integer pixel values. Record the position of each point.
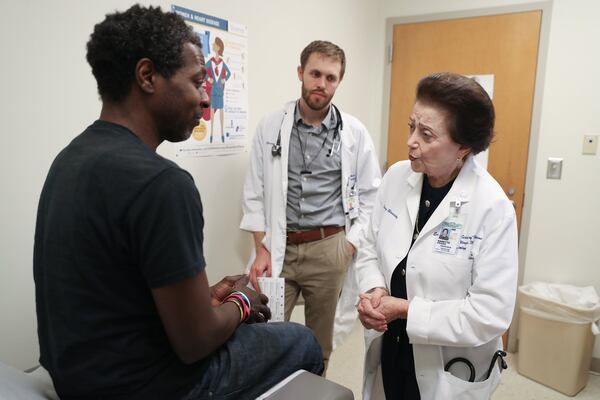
(557, 327)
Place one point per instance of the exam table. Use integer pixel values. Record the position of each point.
(36, 384)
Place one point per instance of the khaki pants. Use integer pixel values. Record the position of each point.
(317, 270)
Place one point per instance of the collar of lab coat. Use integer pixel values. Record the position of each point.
(286, 131)
(461, 191)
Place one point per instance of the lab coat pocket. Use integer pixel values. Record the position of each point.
(452, 387)
(450, 279)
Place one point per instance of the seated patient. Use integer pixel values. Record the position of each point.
(123, 303)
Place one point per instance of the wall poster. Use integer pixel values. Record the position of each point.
(223, 128)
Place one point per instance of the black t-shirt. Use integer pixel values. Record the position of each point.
(114, 220)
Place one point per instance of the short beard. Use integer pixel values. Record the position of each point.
(311, 104)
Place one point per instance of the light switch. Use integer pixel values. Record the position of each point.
(590, 144)
(554, 170)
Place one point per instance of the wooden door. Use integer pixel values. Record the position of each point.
(503, 45)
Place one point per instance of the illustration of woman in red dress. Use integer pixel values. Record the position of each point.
(218, 73)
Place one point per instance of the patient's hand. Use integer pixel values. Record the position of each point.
(259, 312)
(227, 285)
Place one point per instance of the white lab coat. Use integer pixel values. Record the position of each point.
(461, 304)
(265, 194)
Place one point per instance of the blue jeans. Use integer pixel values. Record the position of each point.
(256, 358)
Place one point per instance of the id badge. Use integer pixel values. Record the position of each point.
(352, 197)
(449, 233)
(352, 204)
(337, 144)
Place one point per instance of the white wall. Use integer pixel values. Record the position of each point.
(561, 242)
(49, 96)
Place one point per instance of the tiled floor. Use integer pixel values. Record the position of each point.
(346, 365)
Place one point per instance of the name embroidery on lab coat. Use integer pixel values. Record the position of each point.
(466, 243)
(389, 211)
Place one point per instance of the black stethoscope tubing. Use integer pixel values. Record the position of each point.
(276, 147)
(468, 363)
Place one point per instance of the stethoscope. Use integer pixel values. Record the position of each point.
(468, 363)
(276, 147)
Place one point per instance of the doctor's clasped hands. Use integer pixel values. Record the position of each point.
(377, 308)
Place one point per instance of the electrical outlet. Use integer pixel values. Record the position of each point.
(590, 144)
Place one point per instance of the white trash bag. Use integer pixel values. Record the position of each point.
(560, 302)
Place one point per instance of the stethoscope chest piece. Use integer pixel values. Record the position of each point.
(276, 150)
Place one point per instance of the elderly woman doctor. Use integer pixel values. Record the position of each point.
(430, 303)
